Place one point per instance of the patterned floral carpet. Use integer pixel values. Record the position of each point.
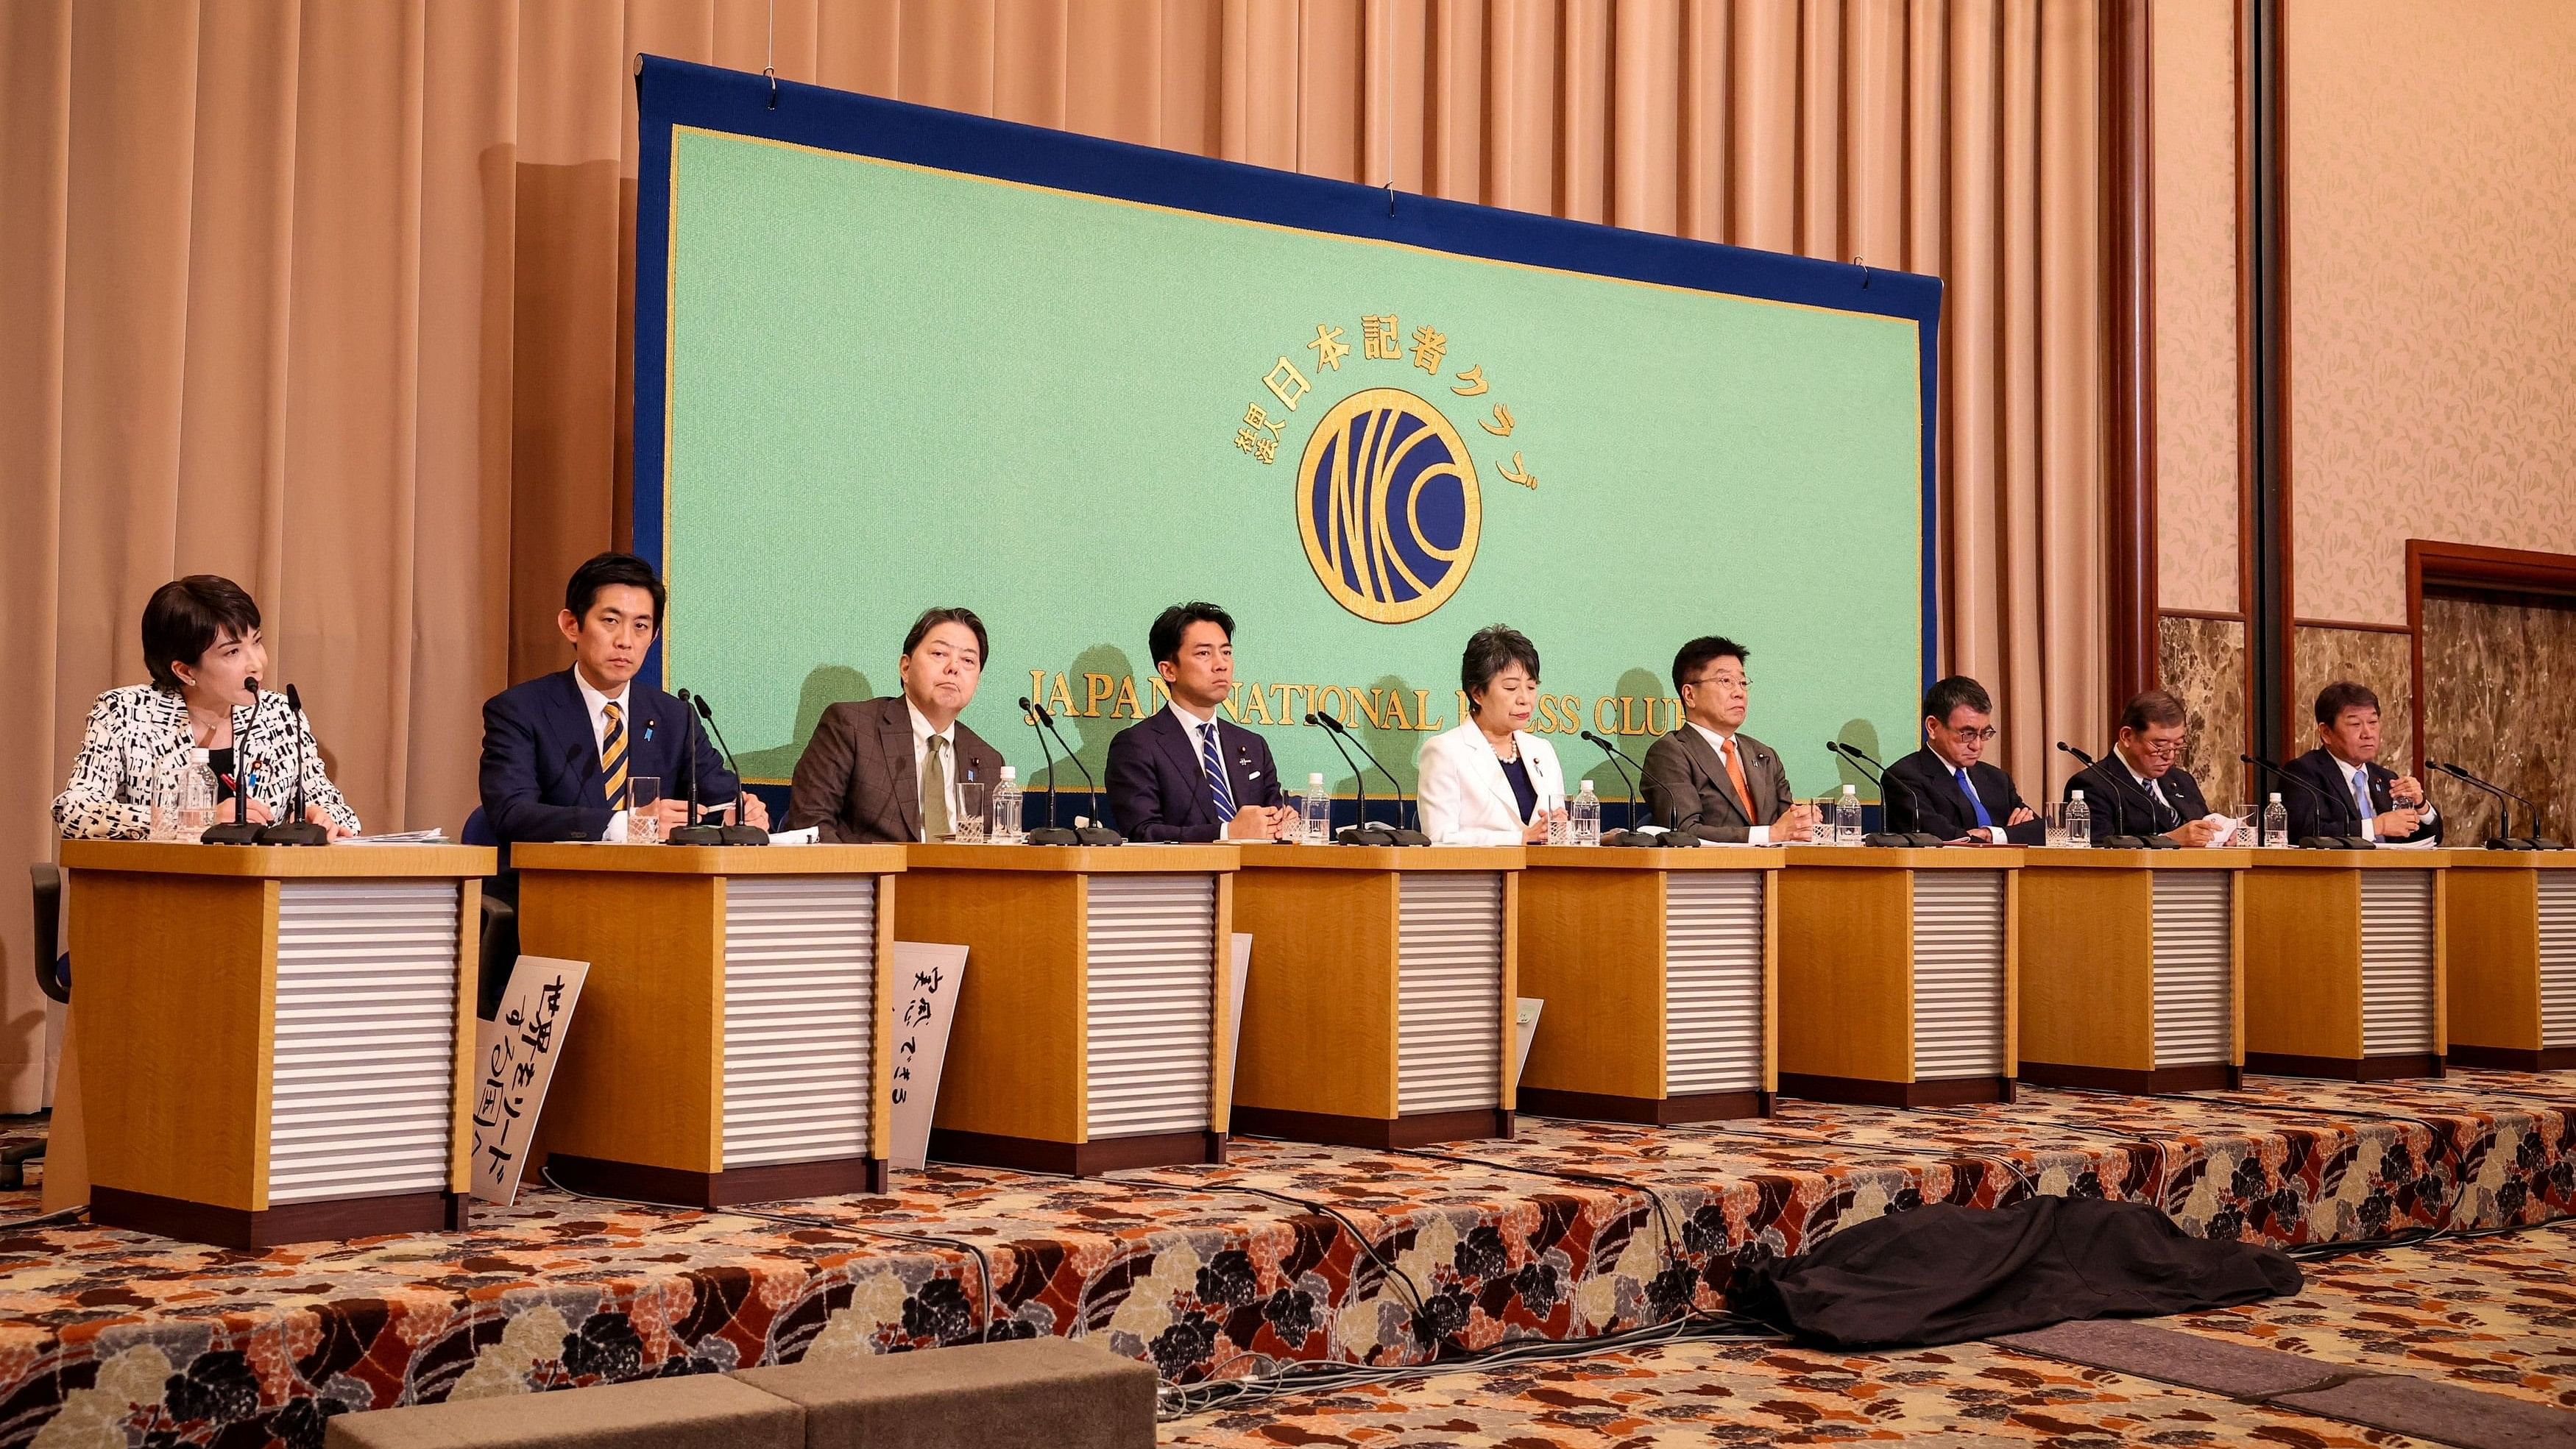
(113, 1340)
(2494, 1313)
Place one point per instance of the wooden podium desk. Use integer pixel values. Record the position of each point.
(2343, 963)
(2130, 969)
(1090, 1033)
(274, 1043)
(2509, 933)
(1380, 1007)
(1657, 967)
(1896, 974)
(730, 1046)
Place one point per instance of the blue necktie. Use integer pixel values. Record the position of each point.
(1218, 794)
(1984, 820)
(2361, 792)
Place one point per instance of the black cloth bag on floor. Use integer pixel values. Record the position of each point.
(1947, 1274)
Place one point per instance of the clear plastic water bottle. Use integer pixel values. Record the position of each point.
(2079, 819)
(1847, 829)
(1315, 812)
(1585, 814)
(2276, 823)
(183, 798)
(1006, 809)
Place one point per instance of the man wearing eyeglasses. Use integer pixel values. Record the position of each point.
(1946, 788)
(2141, 790)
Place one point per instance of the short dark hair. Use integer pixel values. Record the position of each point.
(1490, 651)
(1164, 640)
(608, 570)
(1950, 693)
(1695, 656)
(2342, 695)
(932, 618)
(186, 617)
(2155, 707)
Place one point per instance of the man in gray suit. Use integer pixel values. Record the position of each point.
(1707, 777)
(886, 771)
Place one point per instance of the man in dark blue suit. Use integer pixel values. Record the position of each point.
(1184, 773)
(1946, 787)
(2349, 792)
(559, 750)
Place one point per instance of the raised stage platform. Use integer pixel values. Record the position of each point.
(109, 1338)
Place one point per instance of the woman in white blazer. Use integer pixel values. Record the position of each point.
(1490, 781)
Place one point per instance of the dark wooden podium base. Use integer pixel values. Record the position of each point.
(1420, 1129)
(1077, 1159)
(2346, 1069)
(1645, 1111)
(301, 1222)
(2514, 1059)
(1870, 1092)
(771, 1182)
(2203, 1077)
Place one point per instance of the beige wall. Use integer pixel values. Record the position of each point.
(2432, 254)
(2195, 278)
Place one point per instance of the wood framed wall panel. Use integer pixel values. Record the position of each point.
(1593, 943)
(2302, 963)
(1016, 1065)
(2087, 973)
(1846, 987)
(1319, 1007)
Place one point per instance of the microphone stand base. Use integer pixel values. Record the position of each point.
(1410, 837)
(1097, 835)
(2537, 843)
(2159, 842)
(294, 832)
(1364, 835)
(2123, 842)
(1677, 840)
(1888, 840)
(743, 835)
(232, 832)
(1621, 838)
(1054, 835)
(696, 835)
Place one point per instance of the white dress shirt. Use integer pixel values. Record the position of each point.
(598, 703)
(1755, 834)
(1193, 726)
(922, 734)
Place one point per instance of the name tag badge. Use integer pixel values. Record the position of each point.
(1255, 775)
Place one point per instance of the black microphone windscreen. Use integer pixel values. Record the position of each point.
(706, 711)
(294, 701)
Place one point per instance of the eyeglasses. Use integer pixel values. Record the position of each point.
(1978, 737)
(1705, 681)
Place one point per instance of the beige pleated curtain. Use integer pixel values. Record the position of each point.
(331, 296)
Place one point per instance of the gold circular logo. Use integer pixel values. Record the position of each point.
(1387, 505)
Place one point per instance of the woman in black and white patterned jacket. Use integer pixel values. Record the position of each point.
(201, 641)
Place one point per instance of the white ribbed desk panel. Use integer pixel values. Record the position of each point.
(363, 1073)
(2557, 958)
(1958, 974)
(1713, 981)
(1449, 992)
(2397, 962)
(1149, 1061)
(2195, 998)
(800, 1018)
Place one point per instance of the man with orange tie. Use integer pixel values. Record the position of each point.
(1710, 778)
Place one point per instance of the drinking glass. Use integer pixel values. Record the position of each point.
(2060, 835)
(1825, 831)
(974, 803)
(643, 792)
(2249, 826)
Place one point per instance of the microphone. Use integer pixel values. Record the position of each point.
(1916, 839)
(1364, 833)
(295, 829)
(239, 830)
(1094, 833)
(695, 832)
(739, 832)
(2313, 842)
(1050, 833)
(1402, 835)
(1620, 762)
(2121, 839)
(2508, 840)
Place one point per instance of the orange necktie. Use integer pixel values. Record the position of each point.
(1735, 772)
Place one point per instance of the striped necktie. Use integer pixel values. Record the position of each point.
(612, 756)
(1218, 795)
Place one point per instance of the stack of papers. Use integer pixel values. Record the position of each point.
(431, 836)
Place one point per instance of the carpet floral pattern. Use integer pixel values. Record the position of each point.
(1291, 1253)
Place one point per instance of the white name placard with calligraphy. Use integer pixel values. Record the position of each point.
(514, 1063)
(923, 984)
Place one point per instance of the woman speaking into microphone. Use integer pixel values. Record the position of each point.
(1490, 781)
(202, 645)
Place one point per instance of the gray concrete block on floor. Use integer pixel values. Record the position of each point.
(700, 1411)
(2447, 1413)
(2173, 1356)
(1053, 1392)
